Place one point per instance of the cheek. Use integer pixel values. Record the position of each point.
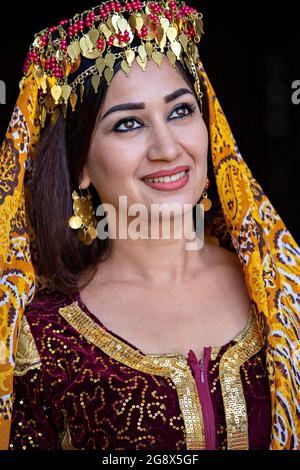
(109, 161)
(196, 141)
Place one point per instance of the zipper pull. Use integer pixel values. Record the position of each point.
(201, 370)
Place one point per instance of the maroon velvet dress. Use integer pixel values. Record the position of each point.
(78, 385)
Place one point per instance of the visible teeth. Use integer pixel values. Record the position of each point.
(165, 179)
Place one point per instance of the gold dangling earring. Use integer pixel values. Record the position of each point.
(205, 199)
(83, 219)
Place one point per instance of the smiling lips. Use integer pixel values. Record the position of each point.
(167, 183)
(170, 172)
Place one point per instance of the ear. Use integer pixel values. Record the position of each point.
(85, 179)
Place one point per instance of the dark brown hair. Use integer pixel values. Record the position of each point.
(60, 258)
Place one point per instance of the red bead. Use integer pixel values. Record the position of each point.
(100, 44)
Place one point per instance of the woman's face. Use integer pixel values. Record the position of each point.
(148, 122)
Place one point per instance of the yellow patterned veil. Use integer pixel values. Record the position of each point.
(268, 254)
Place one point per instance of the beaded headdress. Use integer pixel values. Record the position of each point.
(90, 43)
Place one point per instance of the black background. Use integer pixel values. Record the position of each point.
(251, 52)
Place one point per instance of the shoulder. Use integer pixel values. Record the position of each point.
(46, 304)
(43, 312)
(41, 320)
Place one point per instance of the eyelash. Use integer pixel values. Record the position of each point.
(191, 109)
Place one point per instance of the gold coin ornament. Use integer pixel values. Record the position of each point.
(130, 55)
(83, 220)
(56, 92)
(206, 204)
(125, 67)
(75, 222)
(96, 82)
(93, 233)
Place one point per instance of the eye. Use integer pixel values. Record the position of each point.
(183, 110)
(128, 125)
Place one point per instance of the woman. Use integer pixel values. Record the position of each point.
(140, 343)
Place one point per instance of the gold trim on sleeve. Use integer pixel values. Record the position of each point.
(27, 357)
(173, 366)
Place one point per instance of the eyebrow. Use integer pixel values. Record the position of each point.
(130, 106)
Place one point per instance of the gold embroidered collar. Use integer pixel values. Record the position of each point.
(176, 367)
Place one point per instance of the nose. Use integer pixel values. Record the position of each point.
(163, 143)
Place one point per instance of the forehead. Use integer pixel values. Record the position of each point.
(141, 86)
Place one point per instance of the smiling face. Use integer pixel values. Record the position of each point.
(148, 122)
